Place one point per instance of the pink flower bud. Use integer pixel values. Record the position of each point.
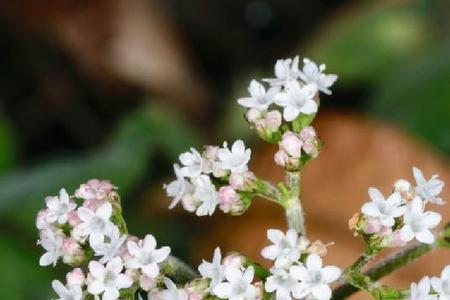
(280, 158)
(253, 115)
(372, 226)
(233, 260)
(292, 144)
(71, 246)
(242, 182)
(227, 197)
(395, 240)
(75, 277)
(147, 283)
(273, 120)
(74, 219)
(93, 204)
(41, 219)
(94, 189)
(308, 134)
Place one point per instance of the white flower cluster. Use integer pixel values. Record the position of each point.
(402, 217)
(215, 177)
(88, 235)
(292, 90)
(435, 288)
(297, 272)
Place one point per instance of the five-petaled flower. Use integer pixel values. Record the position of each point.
(259, 99)
(428, 190)
(385, 210)
(238, 285)
(213, 270)
(297, 99)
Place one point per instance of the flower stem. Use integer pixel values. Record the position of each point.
(293, 206)
(390, 264)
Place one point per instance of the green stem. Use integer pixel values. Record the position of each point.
(267, 191)
(293, 206)
(177, 270)
(390, 264)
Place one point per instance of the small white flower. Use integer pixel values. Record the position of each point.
(285, 70)
(236, 159)
(421, 291)
(314, 75)
(442, 285)
(418, 223)
(385, 210)
(428, 190)
(238, 285)
(59, 207)
(206, 194)
(297, 99)
(192, 163)
(213, 270)
(70, 292)
(108, 280)
(146, 257)
(177, 188)
(52, 242)
(111, 248)
(260, 99)
(314, 279)
(286, 248)
(95, 224)
(171, 292)
(283, 283)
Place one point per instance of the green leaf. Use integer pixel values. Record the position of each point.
(372, 39)
(417, 97)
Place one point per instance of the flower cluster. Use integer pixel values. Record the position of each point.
(293, 90)
(296, 148)
(297, 272)
(401, 217)
(435, 288)
(92, 235)
(217, 177)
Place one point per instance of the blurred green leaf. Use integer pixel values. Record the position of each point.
(123, 162)
(7, 146)
(418, 97)
(372, 39)
(21, 278)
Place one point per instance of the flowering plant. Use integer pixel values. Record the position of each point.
(87, 230)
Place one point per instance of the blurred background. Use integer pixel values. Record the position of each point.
(117, 89)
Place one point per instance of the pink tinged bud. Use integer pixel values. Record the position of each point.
(281, 158)
(41, 221)
(93, 204)
(372, 226)
(235, 260)
(308, 134)
(396, 240)
(189, 203)
(194, 296)
(227, 197)
(211, 152)
(237, 181)
(74, 219)
(147, 283)
(75, 277)
(273, 120)
(71, 246)
(291, 144)
(310, 148)
(253, 115)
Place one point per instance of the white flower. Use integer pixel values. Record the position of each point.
(286, 248)
(285, 70)
(177, 188)
(297, 99)
(314, 279)
(238, 285)
(428, 190)
(260, 99)
(236, 159)
(70, 292)
(108, 280)
(283, 282)
(59, 207)
(110, 249)
(385, 210)
(314, 75)
(171, 292)
(52, 242)
(95, 224)
(421, 291)
(213, 270)
(418, 223)
(192, 162)
(206, 194)
(442, 285)
(145, 256)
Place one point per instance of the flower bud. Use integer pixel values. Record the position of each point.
(308, 134)
(74, 255)
(75, 277)
(95, 189)
(253, 115)
(395, 240)
(235, 260)
(227, 198)
(146, 283)
(197, 289)
(189, 202)
(273, 121)
(372, 226)
(292, 144)
(74, 219)
(242, 182)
